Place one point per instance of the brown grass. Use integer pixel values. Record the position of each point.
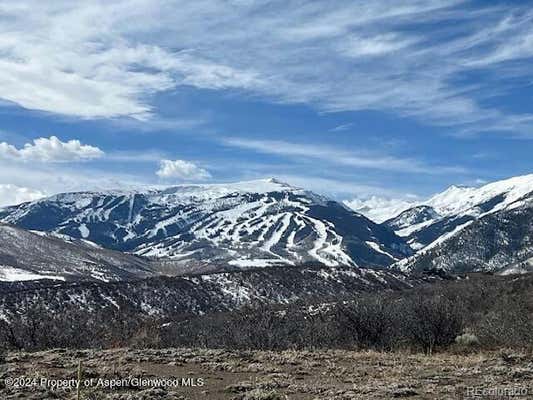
(265, 375)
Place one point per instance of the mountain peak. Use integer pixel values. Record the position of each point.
(244, 224)
(274, 180)
(260, 186)
(457, 199)
(458, 187)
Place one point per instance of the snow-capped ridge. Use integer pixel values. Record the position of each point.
(474, 229)
(457, 199)
(186, 189)
(253, 186)
(260, 222)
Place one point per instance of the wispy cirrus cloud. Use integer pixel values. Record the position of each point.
(408, 57)
(82, 59)
(374, 46)
(342, 127)
(333, 155)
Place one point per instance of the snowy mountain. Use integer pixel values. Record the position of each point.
(30, 256)
(246, 224)
(499, 242)
(467, 229)
(412, 217)
(380, 209)
(456, 206)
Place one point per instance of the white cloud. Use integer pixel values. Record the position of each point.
(183, 170)
(96, 59)
(51, 178)
(13, 194)
(357, 46)
(50, 150)
(360, 55)
(333, 155)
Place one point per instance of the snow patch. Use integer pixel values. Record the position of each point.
(84, 231)
(11, 274)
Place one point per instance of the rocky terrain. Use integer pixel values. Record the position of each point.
(264, 375)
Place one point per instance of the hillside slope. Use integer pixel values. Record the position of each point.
(468, 229)
(166, 296)
(26, 255)
(497, 242)
(456, 206)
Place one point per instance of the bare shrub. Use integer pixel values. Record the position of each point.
(433, 321)
(489, 312)
(507, 324)
(368, 323)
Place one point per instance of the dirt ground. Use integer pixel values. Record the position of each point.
(263, 375)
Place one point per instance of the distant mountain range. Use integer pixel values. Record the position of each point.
(125, 235)
(463, 229)
(242, 225)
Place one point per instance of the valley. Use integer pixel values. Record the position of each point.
(267, 291)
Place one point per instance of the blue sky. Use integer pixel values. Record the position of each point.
(393, 99)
